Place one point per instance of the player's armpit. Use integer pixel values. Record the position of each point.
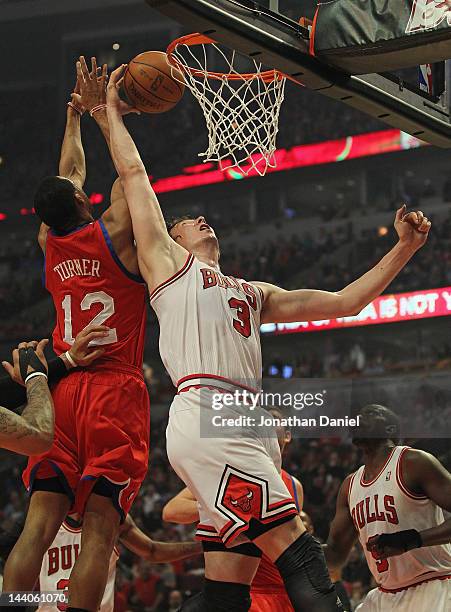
(423, 474)
(282, 306)
(342, 534)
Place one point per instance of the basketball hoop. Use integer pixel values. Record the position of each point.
(241, 110)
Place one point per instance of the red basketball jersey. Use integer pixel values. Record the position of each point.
(268, 578)
(89, 284)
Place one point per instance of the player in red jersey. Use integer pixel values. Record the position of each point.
(100, 453)
(268, 591)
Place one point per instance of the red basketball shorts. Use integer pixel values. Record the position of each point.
(101, 429)
(276, 601)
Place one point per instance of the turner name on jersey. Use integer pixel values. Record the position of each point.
(77, 267)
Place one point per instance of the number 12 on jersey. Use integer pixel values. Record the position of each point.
(97, 297)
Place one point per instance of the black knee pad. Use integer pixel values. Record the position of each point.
(226, 596)
(194, 604)
(306, 578)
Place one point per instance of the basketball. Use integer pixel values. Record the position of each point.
(152, 85)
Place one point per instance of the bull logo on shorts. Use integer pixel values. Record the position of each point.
(244, 501)
(428, 14)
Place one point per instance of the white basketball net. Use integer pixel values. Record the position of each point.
(241, 110)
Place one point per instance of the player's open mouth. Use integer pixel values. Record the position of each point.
(204, 226)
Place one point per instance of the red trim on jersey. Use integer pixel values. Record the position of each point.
(400, 480)
(367, 484)
(350, 483)
(186, 266)
(71, 529)
(414, 584)
(215, 377)
(221, 389)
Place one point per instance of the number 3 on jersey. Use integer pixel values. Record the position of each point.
(381, 564)
(98, 297)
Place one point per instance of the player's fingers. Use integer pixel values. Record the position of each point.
(420, 216)
(94, 355)
(80, 75)
(84, 68)
(92, 336)
(117, 74)
(40, 346)
(32, 344)
(16, 358)
(104, 73)
(92, 328)
(93, 74)
(400, 212)
(22, 345)
(9, 368)
(424, 226)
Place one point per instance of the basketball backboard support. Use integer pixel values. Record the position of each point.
(268, 33)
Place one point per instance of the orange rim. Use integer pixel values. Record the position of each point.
(191, 40)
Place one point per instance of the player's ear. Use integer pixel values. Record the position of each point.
(288, 436)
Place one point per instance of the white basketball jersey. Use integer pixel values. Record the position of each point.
(58, 563)
(209, 325)
(384, 505)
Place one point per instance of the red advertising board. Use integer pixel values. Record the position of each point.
(388, 308)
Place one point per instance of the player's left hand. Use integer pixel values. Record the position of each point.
(412, 228)
(393, 544)
(92, 86)
(14, 369)
(112, 92)
(83, 354)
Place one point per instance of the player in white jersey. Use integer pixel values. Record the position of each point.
(60, 558)
(209, 341)
(394, 505)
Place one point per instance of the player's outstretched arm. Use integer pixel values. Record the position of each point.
(32, 432)
(423, 474)
(117, 220)
(159, 256)
(281, 306)
(342, 533)
(72, 164)
(182, 508)
(138, 542)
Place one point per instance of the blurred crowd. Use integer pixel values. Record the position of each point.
(328, 260)
(31, 141)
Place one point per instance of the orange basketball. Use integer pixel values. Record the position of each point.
(152, 85)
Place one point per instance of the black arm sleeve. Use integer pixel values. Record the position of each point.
(13, 395)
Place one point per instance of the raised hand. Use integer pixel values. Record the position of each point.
(92, 86)
(28, 357)
(80, 352)
(412, 228)
(114, 84)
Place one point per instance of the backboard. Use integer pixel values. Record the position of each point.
(269, 30)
